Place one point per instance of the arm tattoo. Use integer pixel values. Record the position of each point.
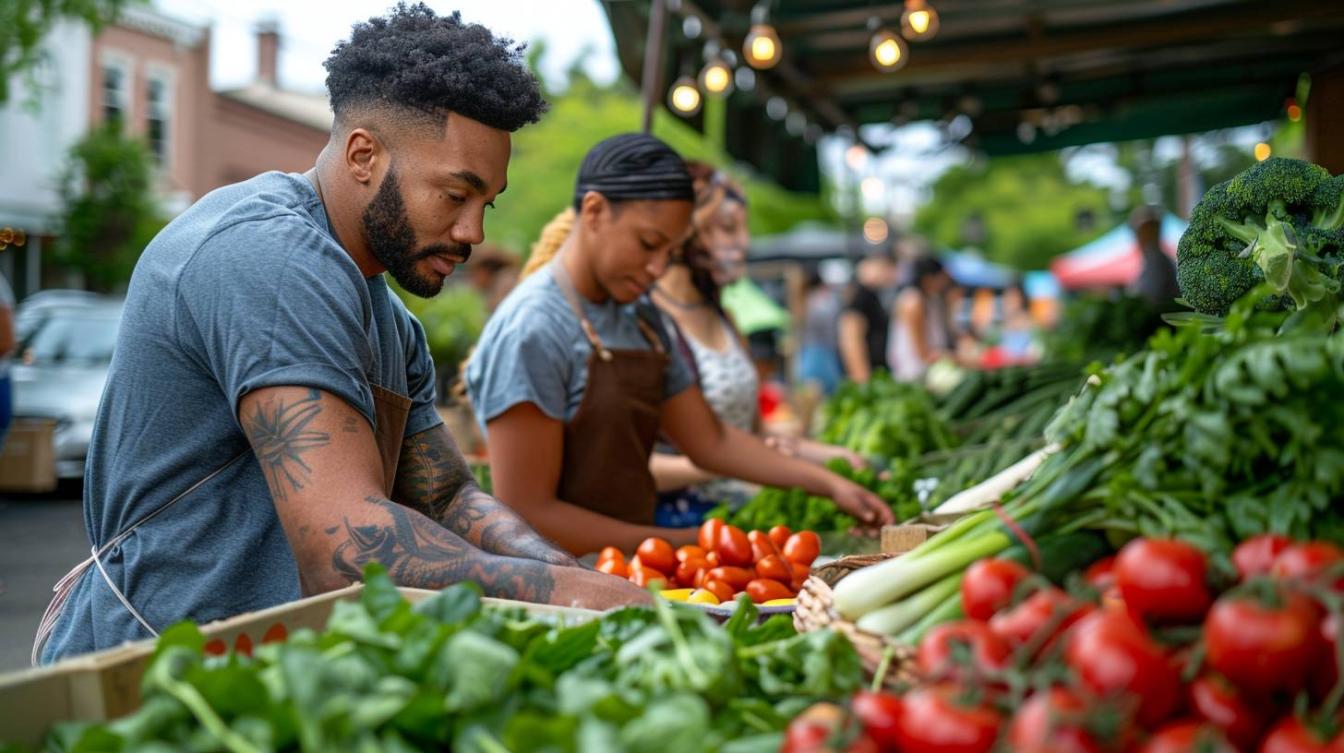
(280, 436)
(420, 554)
(433, 479)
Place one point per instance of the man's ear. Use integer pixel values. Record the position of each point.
(363, 154)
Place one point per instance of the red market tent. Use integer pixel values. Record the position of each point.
(1113, 260)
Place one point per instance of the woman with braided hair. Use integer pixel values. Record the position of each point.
(575, 375)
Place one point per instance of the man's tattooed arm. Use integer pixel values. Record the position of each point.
(433, 478)
(421, 554)
(281, 433)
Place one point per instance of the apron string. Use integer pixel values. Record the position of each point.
(66, 585)
(571, 294)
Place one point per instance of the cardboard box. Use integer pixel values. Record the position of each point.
(106, 684)
(900, 539)
(28, 458)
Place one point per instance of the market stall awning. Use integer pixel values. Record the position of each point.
(1114, 259)
(972, 270)
(1027, 75)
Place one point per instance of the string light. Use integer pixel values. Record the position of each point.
(1262, 151)
(875, 230)
(684, 98)
(886, 50)
(716, 78)
(762, 47)
(856, 157)
(919, 22)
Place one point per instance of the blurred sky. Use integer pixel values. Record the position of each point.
(309, 28)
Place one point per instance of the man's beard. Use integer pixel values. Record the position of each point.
(391, 240)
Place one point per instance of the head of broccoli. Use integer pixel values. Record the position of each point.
(1281, 221)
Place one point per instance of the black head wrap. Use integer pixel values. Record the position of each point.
(634, 167)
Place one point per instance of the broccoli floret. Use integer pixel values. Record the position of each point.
(1258, 226)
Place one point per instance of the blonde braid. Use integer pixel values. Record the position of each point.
(552, 238)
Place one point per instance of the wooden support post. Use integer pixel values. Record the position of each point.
(1325, 112)
(653, 62)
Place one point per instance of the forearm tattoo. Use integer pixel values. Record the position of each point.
(419, 553)
(434, 479)
(280, 436)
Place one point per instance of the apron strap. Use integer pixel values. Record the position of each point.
(66, 585)
(571, 294)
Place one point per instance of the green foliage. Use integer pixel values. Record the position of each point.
(109, 212)
(1099, 327)
(453, 321)
(1027, 204)
(454, 674)
(24, 23)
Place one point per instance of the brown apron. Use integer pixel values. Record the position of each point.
(609, 440)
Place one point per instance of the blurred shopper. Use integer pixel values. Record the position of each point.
(818, 347)
(919, 322)
(865, 322)
(7, 346)
(1156, 282)
(493, 274)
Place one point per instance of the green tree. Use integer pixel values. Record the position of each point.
(109, 213)
(24, 23)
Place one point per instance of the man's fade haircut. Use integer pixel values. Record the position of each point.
(419, 65)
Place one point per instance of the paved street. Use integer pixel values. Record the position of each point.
(40, 539)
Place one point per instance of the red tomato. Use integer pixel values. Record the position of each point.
(802, 547)
(774, 567)
(1290, 736)
(1101, 575)
(1112, 655)
(657, 554)
(762, 590)
(614, 567)
(987, 651)
(1051, 721)
(879, 713)
(713, 558)
(1256, 555)
(1162, 580)
(736, 578)
(1041, 616)
(814, 730)
(761, 546)
(1326, 672)
(1188, 737)
(611, 553)
(644, 577)
(988, 587)
(800, 571)
(1262, 648)
(1241, 718)
(933, 720)
(722, 591)
(779, 536)
(691, 569)
(688, 551)
(1306, 561)
(734, 547)
(709, 534)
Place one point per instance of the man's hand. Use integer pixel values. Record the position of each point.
(865, 506)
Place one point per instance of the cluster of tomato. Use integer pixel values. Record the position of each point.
(726, 561)
(1161, 663)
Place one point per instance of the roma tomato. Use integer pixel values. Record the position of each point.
(691, 569)
(1052, 721)
(734, 548)
(934, 720)
(1256, 555)
(802, 547)
(709, 534)
(774, 567)
(1290, 736)
(1113, 655)
(615, 567)
(779, 536)
(690, 550)
(800, 572)
(987, 652)
(1263, 648)
(644, 577)
(657, 554)
(736, 578)
(879, 714)
(1162, 580)
(611, 553)
(1101, 574)
(1241, 717)
(1041, 616)
(762, 590)
(988, 587)
(1306, 561)
(761, 546)
(1188, 737)
(722, 591)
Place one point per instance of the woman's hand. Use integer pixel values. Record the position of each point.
(866, 507)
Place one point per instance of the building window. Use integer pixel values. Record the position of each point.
(116, 93)
(158, 118)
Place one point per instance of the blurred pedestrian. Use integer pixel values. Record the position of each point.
(865, 322)
(818, 350)
(919, 322)
(1156, 282)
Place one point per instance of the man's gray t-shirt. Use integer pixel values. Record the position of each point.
(533, 350)
(246, 289)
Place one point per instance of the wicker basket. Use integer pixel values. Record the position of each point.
(816, 611)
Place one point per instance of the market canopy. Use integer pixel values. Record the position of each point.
(1028, 75)
(1114, 259)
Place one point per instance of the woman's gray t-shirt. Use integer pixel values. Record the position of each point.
(246, 289)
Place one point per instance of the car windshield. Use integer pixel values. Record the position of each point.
(74, 337)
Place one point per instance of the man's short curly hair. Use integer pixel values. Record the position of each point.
(417, 62)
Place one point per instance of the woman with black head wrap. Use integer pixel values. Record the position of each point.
(575, 377)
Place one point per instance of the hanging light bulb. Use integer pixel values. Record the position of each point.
(762, 47)
(888, 51)
(919, 22)
(684, 98)
(716, 78)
